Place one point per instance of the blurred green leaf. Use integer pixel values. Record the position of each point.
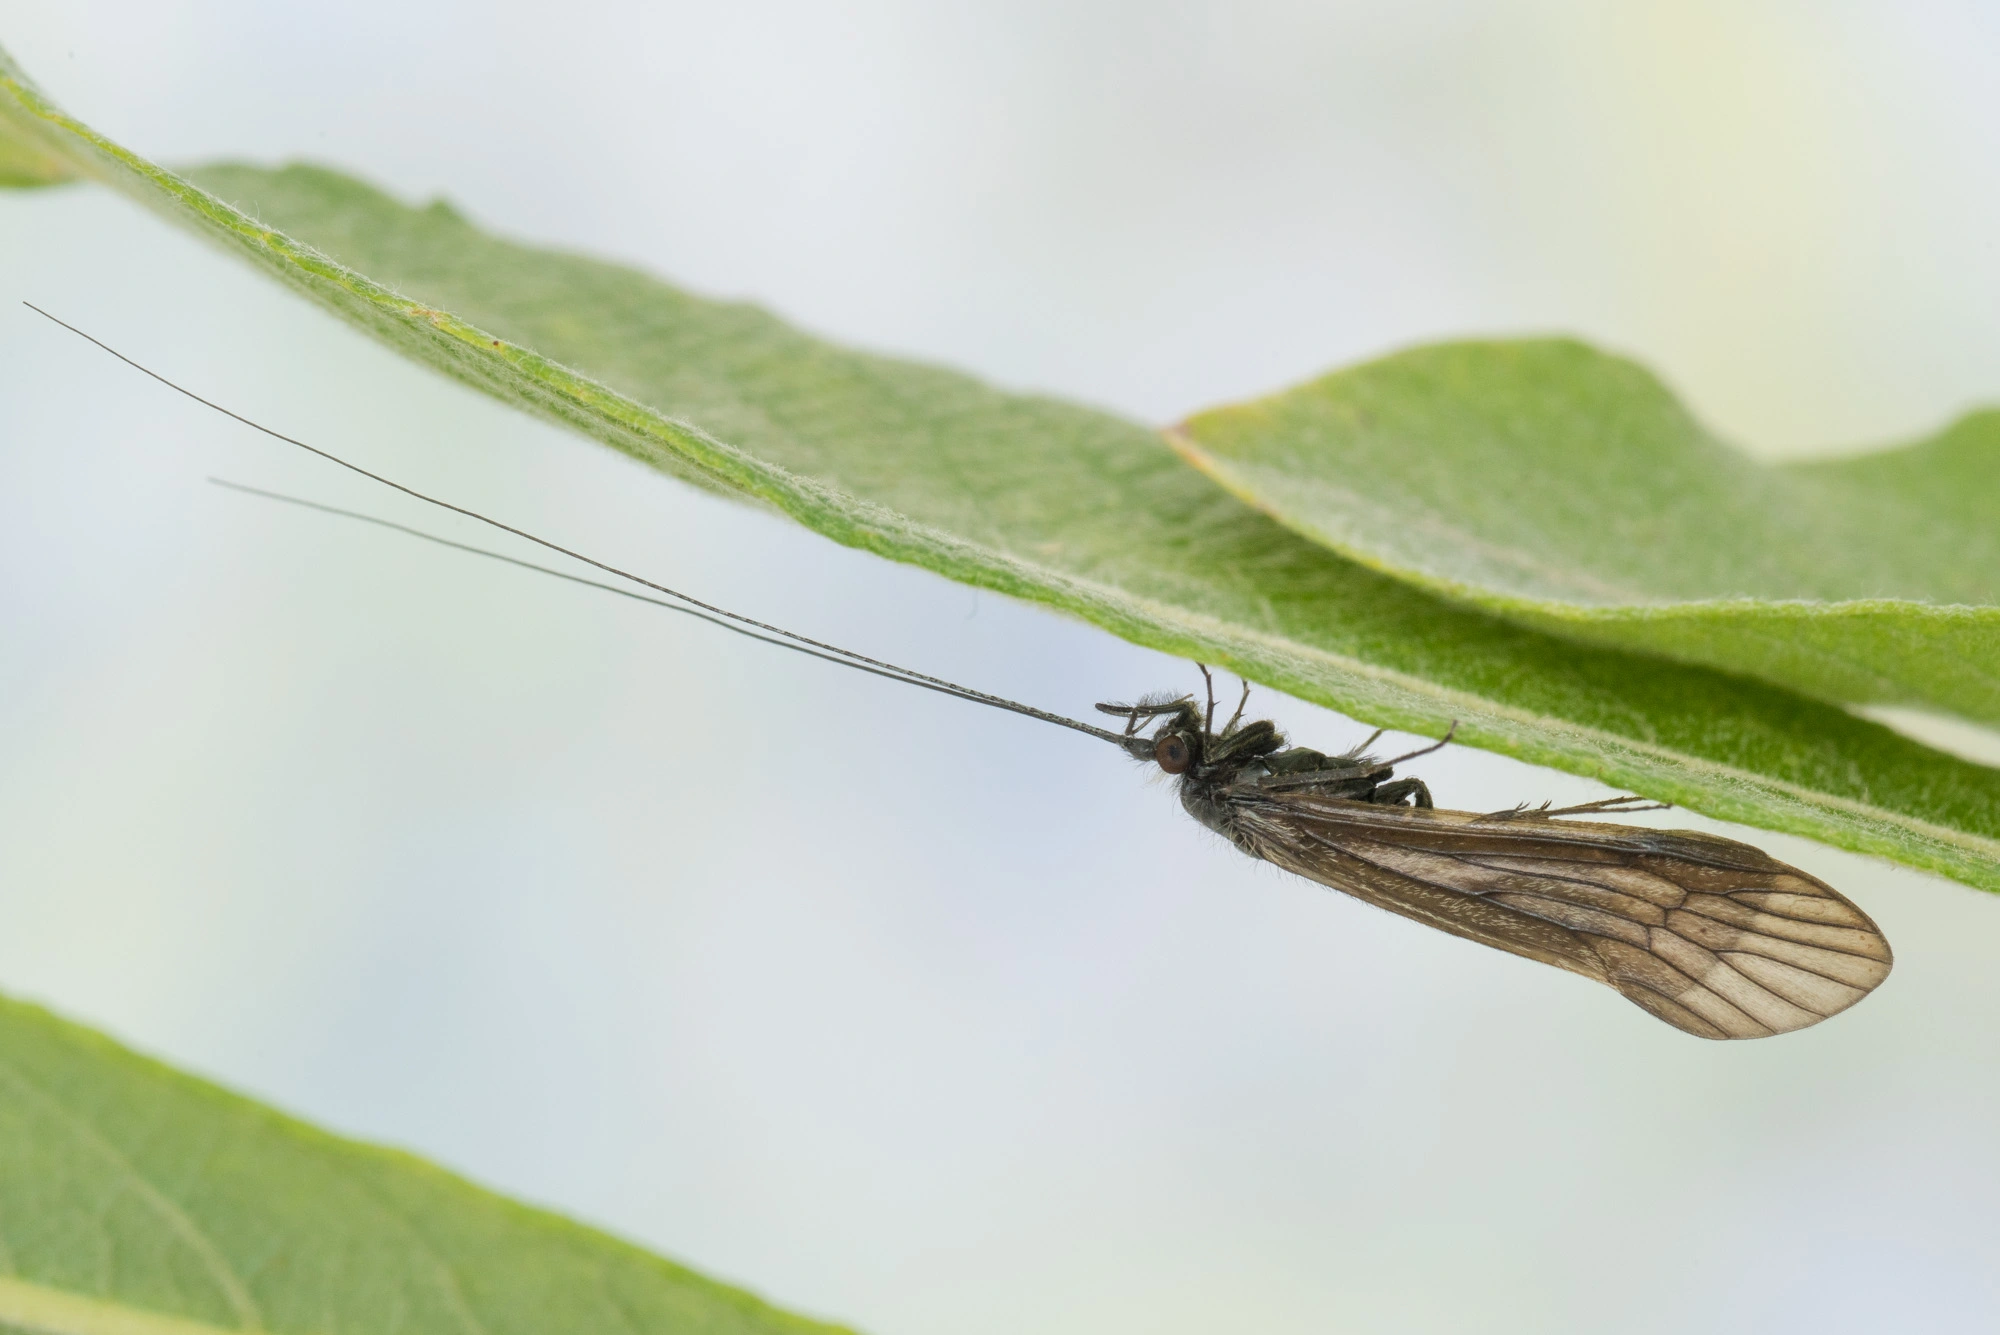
(1559, 486)
(135, 1200)
(24, 164)
(1047, 501)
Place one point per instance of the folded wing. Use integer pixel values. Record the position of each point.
(1715, 937)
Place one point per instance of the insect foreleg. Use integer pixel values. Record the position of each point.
(1237, 717)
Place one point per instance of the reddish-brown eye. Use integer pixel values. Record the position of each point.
(1173, 754)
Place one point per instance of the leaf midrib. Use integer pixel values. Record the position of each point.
(52, 1311)
(178, 1221)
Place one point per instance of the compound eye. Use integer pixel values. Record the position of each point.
(1173, 754)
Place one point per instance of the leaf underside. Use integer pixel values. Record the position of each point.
(137, 1200)
(1047, 501)
(1556, 485)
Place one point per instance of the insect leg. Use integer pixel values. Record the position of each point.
(1208, 719)
(1603, 805)
(1414, 791)
(1615, 804)
(1355, 753)
(1237, 717)
(1438, 745)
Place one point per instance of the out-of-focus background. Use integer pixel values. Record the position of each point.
(926, 1019)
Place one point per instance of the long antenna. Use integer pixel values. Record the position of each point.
(491, 555)
(694, 606)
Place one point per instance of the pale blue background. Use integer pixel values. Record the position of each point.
(923, 1019)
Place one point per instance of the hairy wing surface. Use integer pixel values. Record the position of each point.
(1713, 936)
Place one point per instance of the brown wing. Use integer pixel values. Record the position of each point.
(1714, 937)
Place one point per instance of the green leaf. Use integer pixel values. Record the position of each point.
(25, 164)
(1565, 488)
(1047, 501)
(140, 1201)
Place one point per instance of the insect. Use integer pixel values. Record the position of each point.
(1714, 936)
